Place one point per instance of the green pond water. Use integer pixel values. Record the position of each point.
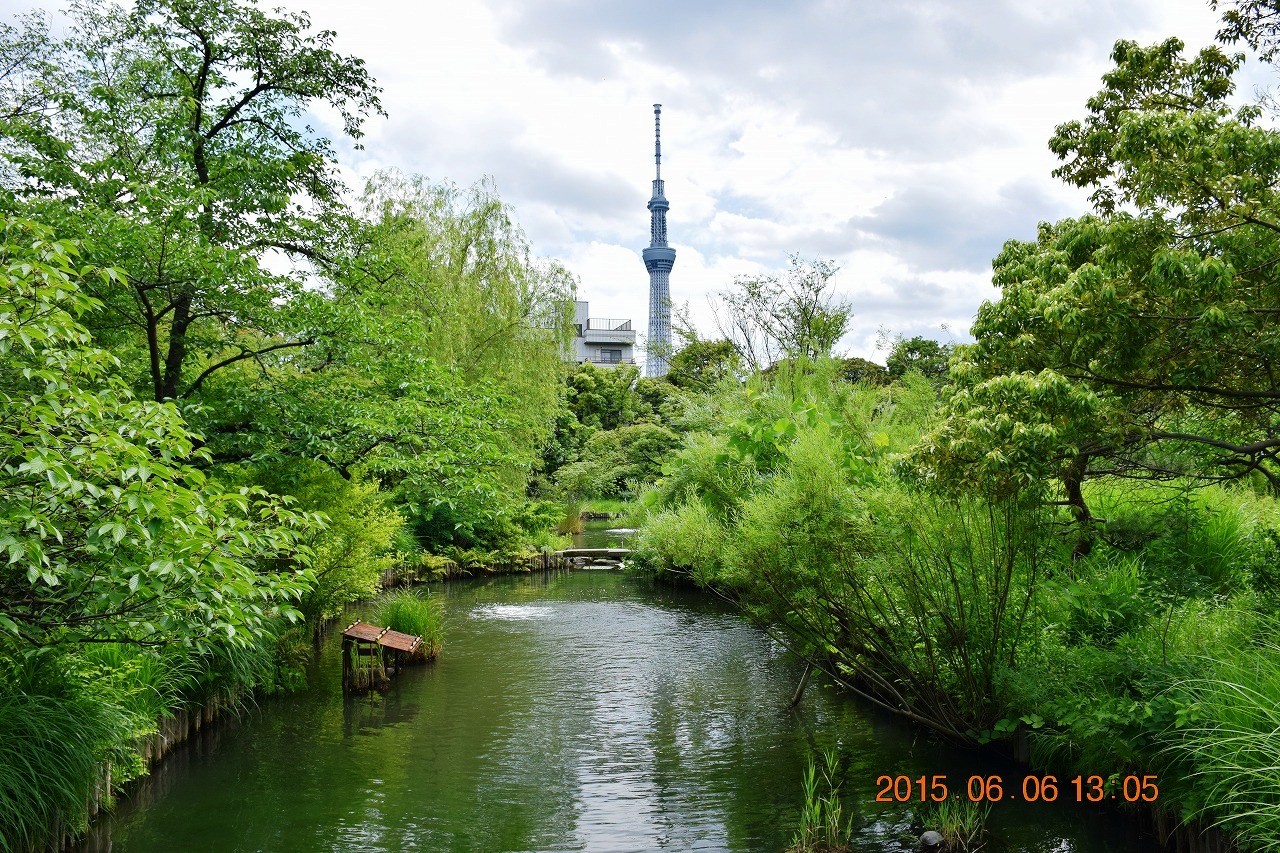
(585, 710)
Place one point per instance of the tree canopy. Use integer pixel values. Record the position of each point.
(109, 533)
(923, 354)
(1140, 340)
(700, 365)
(171, 137)
(795, 315)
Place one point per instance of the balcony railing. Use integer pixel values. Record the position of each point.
(609, 325)
(596, 359)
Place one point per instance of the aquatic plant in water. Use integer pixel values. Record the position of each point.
(962, 824)
(822, 829)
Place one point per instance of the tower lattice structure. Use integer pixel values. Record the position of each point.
(659, 258)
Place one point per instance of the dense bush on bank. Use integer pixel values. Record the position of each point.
(970, 615)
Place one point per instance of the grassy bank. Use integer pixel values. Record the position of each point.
(975, 615)
(77, 726)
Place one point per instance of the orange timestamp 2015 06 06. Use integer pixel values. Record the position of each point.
(1044, 789)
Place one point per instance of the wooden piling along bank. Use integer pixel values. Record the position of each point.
(440, 568)
(371, 656)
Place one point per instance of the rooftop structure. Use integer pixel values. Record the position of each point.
(601, 341)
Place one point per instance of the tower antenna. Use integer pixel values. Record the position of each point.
(657, 140)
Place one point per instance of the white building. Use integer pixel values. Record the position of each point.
(602, 342)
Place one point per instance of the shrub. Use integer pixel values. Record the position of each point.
(1107, 605)
(1089, 707)
(685, 541)
(412, 612)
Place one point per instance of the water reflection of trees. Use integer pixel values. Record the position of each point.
(365, 714)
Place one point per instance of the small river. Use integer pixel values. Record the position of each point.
(585, 710)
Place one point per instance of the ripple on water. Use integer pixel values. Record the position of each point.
(510, 612)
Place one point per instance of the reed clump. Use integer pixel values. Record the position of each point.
(416, 613)
(823, 826)
(962, 824)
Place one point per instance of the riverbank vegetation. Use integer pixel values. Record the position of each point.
(233, 399)
(1067, 542)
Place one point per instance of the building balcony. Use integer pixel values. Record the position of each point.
(606, 361)
(609, 325)
(602, 341)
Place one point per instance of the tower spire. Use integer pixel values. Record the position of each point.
(659, 258)
(657, 141)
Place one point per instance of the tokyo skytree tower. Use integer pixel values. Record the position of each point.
(659, 258)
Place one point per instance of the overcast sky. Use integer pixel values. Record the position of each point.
(904, 141)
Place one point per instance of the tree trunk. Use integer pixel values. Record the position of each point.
(1072, 481)
(177, 353)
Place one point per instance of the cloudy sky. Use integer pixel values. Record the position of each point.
(904, 141)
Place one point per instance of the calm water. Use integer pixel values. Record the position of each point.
(588, 710)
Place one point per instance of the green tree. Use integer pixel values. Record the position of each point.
(352, 551)
(459, 275)
(923, 354)
(176, 146)
(792, 316)
(701, 365)
(109, 533)
(614, 460)
(861, 370)
(26, 72)
(445, 381)
(1141, 340)
(605, 398)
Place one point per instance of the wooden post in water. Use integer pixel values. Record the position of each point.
(804, 681)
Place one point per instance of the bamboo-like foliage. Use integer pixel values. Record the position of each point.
(50, 754)
(918, 601)
(941, 610)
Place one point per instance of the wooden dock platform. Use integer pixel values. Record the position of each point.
(372, 655)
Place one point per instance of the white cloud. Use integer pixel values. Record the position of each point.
(904, 141)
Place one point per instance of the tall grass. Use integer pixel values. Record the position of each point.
(1231, 745)
(613, 506)
(571, 518)
(1193, 540)
(150, 683)
(822, 827)
(51, 748)
(230, 673)
(411, 612)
